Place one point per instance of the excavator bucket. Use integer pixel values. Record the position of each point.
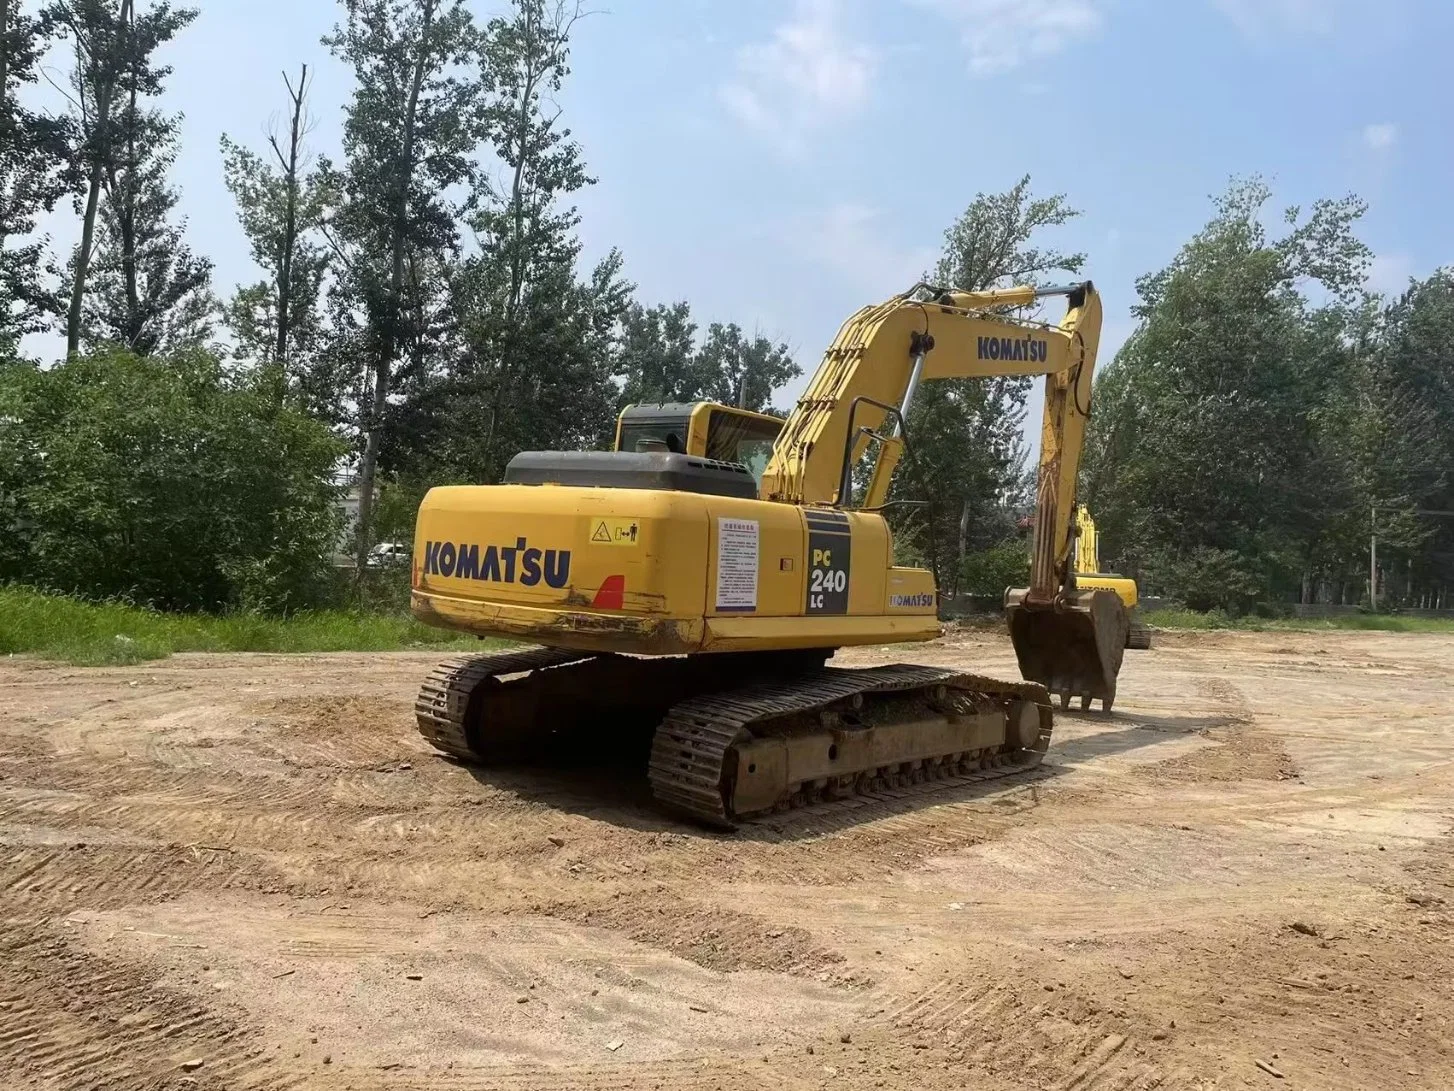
(1073, 646)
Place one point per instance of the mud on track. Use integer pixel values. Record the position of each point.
(249, 871)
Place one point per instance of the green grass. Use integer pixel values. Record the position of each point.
(98, 634)
(1216, 619)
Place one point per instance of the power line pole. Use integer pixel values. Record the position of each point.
(1373, 559)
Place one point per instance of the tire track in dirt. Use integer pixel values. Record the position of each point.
(339, 732)
(708, 1074)
(1063, 1043)
(714, 938)
(52, 880)
(459, 813)
(76, 1021)
(1243, 751)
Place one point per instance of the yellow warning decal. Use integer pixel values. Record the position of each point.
(615, 532)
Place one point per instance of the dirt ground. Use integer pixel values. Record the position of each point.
(250, 871)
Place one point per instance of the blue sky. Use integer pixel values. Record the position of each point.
(779, 163)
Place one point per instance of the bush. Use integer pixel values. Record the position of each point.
(163, 481)
(990, 572)
(1206, 579)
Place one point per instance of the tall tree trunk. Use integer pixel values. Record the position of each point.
(5, 6)
(98, 142)
(290, 223)
(517, 192)
(126, 220)
(370, 463)
(503, 377)
(5, 118)
(83, 264)
(389, 339)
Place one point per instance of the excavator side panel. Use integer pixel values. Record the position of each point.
(660, 572)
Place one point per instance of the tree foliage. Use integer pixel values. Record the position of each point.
(1249, 437)
(409, 134)
(35, 171)
(535, 338)
(114, 79)
(149, 292)
(160, 481)
(278, 321)
(660, 360)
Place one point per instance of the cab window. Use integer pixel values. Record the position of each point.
(655, 436)
(732, 437)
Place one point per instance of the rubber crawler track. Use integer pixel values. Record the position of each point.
(691, 746)
(690, 750)
(443, 701)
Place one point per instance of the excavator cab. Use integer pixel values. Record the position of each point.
(722, 433)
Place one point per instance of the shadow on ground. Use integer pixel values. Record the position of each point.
(604, 778)
(1123, 732)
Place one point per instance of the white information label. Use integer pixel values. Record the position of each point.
(736, 564)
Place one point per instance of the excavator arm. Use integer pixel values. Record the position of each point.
(874, 367)
(1070, 641)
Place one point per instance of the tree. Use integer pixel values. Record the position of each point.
(143, 478)
(967, 475)
(113, 74)
(278, 321)
(657, 354)
(1412, 382)
(150, 293)
(538, 341)
(409, 135)
(1213, 468)
(737, 371)
(661, 361)
(34, 174)
(523, 281)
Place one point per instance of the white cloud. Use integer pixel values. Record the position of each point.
(807, 74)
(1380, 137)
(1001, 35)
(1262, 20)
(850, 240)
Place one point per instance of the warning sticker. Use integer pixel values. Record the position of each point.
(736, 564)
(615, 532)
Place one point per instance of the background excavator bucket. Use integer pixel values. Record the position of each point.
(1073, 646)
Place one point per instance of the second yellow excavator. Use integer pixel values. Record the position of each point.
(1088, 576)
(700, 576)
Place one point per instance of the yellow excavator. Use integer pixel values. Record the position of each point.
(1088, 576)
(699, 577)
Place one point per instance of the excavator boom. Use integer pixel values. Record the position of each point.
(1068, 640)
(876, 364)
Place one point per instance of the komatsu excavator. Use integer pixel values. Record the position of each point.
(1088, 577)
(700, 576)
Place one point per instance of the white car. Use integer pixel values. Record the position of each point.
(389, 554)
